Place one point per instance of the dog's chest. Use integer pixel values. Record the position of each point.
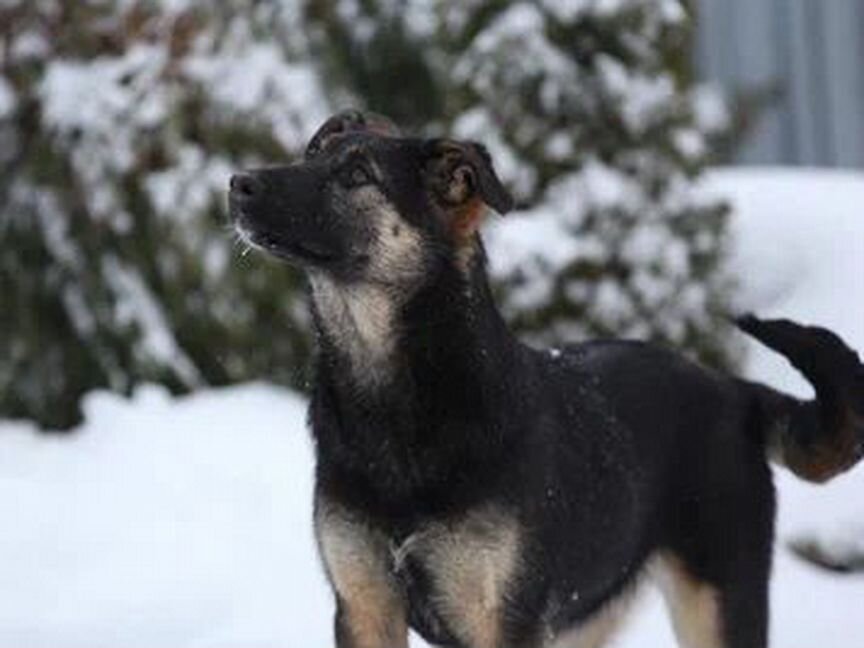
(394, 460)
(457, 574)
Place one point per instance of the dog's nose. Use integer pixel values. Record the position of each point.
(244, 185)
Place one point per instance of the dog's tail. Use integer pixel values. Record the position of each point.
(820, 438)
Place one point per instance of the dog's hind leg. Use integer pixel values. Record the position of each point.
(694, 605)
(732, 614)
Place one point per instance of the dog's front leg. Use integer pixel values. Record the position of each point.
(371, 610)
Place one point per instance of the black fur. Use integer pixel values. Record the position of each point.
(606, 453)
(821, 438)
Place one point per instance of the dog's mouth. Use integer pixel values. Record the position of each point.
(297, 241)
(286, 248)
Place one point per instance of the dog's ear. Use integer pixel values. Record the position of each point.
(460, 177)
(347, 121)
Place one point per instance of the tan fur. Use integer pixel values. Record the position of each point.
(358, 561)
(361, 315)
(599, 629)
(693, 605)
(396, 257)
(471, 562)
(825, 458)
(465, 220)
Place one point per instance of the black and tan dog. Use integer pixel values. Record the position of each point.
(491, 495)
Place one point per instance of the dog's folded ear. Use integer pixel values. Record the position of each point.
(459, 172)
(345, 122)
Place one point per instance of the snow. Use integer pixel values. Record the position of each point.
(103, 97)
(671, 11)
(258, 81)
(537, 238)
(162, 523)
(642, 96)
(185, 522)
(710, 107)
(136, 305)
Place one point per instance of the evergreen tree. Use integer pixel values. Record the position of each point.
(121, 125)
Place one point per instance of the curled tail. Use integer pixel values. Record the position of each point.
(815, 439)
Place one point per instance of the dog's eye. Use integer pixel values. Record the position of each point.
(356, 174)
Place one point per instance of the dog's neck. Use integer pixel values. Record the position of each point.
(372, 337)
(357, 322)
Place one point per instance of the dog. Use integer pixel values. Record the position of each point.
(492, 495)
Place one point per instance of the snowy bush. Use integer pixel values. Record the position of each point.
(120, 123)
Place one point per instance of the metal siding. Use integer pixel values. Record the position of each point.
(815, 51)
(844, 55)
(802, 84)
(789, 146)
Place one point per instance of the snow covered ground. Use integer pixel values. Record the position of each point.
(184, 523)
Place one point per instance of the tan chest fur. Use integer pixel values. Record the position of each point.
(471, 562)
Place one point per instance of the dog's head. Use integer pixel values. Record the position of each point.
(366, 204)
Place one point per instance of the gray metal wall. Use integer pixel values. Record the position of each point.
(815, 50)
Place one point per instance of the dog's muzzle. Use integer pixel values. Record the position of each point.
(263, 220)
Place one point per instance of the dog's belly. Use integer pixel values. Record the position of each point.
(598, 629)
